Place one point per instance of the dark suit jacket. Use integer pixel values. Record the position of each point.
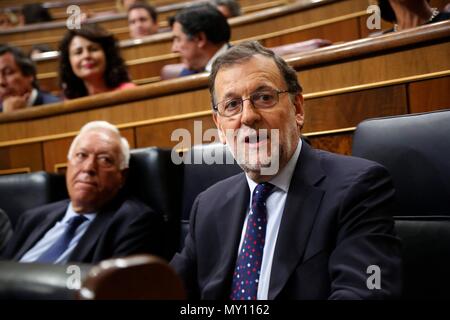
(336, 223)
(126, 226)
(42, 98)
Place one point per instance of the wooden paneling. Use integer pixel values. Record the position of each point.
(22, 156)
(155, 110)
(160, 134)
(429, 95)
(338, 143)
(345, 30)
(347, 110)
(375, 68)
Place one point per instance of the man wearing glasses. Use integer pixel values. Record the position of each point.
(319, 227)
(100, 220)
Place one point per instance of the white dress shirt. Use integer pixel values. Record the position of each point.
(55, 233)
(275, 207)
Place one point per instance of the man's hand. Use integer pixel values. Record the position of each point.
(12, 103)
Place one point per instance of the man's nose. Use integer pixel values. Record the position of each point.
(90, 164)
(249, 113)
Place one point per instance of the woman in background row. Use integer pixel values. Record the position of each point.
(90, 63)
(410, 14)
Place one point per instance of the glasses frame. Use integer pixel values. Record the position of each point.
(216, 108)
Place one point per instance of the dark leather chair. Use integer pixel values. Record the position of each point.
(415, 149)
(199, 175)
(156, 180)
(20, 192)
(134, 277)
(426, 256)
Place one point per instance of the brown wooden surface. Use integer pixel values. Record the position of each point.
(347, 110)
(150, 67)
(429, 95)
(153, 111)
(338, 143)
(22, 156)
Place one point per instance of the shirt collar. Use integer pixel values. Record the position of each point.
(32, 98)
(283, 179)
(218, 53)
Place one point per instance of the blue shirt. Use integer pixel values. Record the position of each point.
(55, 233)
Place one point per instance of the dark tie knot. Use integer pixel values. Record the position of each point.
(261, 192)
(74, 222)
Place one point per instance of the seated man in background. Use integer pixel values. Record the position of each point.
(100, 220)
(229, 8)
(18, 85)
(142, 20)
(201, 33)
(299, 223)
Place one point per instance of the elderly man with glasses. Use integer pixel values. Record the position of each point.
(317, 227)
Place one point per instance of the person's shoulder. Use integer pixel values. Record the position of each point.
(442, 16)
(216, 190)
(345, 166)
(45, 209)
(47, 98)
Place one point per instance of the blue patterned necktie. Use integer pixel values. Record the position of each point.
(248, 264)
(62, 243)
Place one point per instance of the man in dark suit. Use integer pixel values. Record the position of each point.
(18, 85)
(200, 34)
(300, 223)
(99, 221)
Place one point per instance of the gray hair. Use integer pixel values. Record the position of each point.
(244, 52)
(104, 125)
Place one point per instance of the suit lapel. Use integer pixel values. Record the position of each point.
(88, 241)
(299, 214)
(229, 229)
(49, 221)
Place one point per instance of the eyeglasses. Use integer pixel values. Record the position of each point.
(262, 99)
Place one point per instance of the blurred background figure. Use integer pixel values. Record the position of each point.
(18, 85)
(142, 20)
(124, 5)
(229, 8)
(37, 49)
(90, 63)
(200, 34)
(9, 19)
(35, 13)
(409, 14)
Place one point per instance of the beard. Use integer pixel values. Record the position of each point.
(256, 151)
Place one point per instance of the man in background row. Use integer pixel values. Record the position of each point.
(18, 85)
(142, 20)
(201, 33)
(100, 220)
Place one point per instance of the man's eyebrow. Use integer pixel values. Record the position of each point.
(263, 87)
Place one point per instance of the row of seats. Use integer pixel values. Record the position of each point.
(414, 148)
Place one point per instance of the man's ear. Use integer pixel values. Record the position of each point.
(299, 110)
(219, 128)
(201, 39)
